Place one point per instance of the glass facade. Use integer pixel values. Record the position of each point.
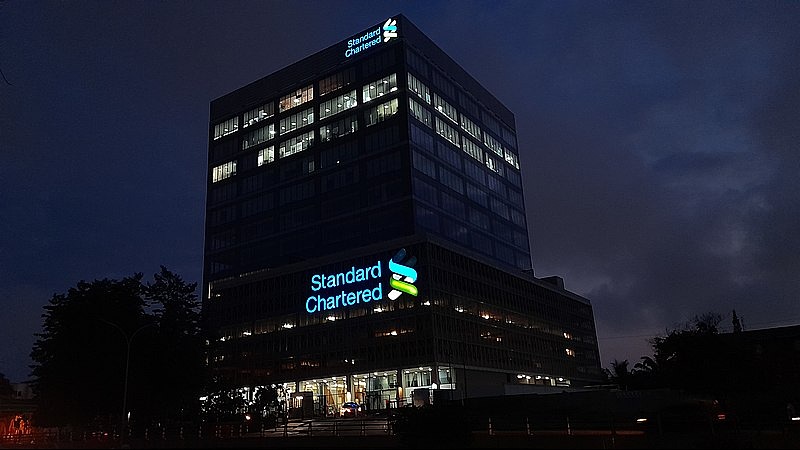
(258, 114)
(392, 149)
(296, 98)
(467, 315)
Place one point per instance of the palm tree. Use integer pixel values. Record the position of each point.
(620, 374)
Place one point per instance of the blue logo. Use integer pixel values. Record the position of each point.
(372, 38)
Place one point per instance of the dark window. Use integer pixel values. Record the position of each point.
(338, 154)
(336, 81)
(417, 63)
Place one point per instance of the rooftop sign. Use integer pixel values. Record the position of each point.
(371, 38)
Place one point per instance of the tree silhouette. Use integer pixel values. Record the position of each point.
(6, 391)
(619, 373)
(178, 349)
(79, 361)
(81, 357)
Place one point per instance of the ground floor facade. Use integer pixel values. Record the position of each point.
(405, 322)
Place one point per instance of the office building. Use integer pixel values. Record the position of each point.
(366, 236)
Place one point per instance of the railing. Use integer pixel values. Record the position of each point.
(140, 436)
(494, 429)
(345, 428)
(38, 439)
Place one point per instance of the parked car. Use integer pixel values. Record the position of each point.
(350, 409)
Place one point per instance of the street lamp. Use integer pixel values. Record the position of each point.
(128, 340)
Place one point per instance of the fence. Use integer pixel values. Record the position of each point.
(204, 432)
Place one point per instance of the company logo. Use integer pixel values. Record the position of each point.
(389, 30)
(371, 38)
(403, 276)
(361, 285)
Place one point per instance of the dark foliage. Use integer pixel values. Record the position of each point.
(80, 356)
(6, 391)
(696, 358)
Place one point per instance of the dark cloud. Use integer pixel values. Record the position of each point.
(658, 140)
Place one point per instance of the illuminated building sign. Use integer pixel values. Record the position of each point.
(362, 284)
(371, 38)
(403, 277)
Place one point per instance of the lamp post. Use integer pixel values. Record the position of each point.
(128, 340)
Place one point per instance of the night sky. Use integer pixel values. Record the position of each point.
(659, 143)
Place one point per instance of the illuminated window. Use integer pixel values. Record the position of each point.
(381, 112)
(226, 128)
(223, 171)
(296, 98)
(493, 165)
(298, 120)
(417, 377)
(338, 104)
(417, 87)
(296, 144)
(419, 112)
(472, 149)
(258, 136)
(512, 159)
(336, 81)
(338, 128)
(380, 87)
(470, 127)
(266, 155)
(570, 352)
(446, 131)
(493, 144)
(445, 375)
(256, 115)
(445, 108)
